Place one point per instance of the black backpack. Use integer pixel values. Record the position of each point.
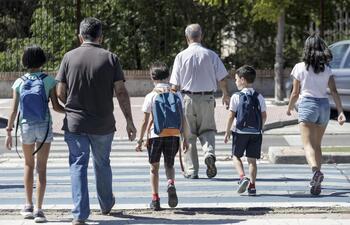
(248, 115)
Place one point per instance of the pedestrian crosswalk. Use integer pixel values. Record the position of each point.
(275, 184)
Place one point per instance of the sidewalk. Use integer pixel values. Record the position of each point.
(276, 116)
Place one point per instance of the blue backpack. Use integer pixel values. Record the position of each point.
(33, 99)
(248, 115)
(167, 113)
(33, 103)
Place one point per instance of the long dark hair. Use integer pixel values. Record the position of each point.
(316, 53)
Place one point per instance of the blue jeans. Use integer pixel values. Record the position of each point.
(79, 153)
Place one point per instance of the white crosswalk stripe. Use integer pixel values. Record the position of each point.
(276, 183)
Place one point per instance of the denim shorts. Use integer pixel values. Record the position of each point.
(314, 110)
(35, 132)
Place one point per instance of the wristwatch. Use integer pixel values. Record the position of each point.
(140, 141)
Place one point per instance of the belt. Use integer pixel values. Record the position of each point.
(198, 93)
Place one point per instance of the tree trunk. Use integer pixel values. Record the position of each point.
(279, 60)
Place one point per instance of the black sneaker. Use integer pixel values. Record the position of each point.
(251, 191)
(315, 183)
(155, 205)
(211, 168)
(39, 216)
(172, 196)
(242, 185)
(27, 212)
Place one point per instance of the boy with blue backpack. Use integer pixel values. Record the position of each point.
(249, 109)
(31, 93)
(164, 109)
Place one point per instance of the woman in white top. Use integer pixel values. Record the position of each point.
(311, 79)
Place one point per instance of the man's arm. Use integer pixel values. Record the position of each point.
(62, 92)
(225, 96)
(124, 103)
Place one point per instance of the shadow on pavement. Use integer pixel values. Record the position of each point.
(11, 186)
(282, 179)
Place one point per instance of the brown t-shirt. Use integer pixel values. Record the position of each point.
(89, 72)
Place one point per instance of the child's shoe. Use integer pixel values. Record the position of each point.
(27, 212)
(39, 216)
(251, 189)
(315, 183)
(155, 205)
(172, 196)
(242, 184)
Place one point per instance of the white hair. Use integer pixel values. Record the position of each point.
(193, 31)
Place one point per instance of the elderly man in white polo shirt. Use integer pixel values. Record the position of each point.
(197, 72)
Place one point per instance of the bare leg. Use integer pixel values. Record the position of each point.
(169, 172)
(311, 135)
(154, 170)
(239, 166)
(252, 169)
(41, 163)
(28, 172)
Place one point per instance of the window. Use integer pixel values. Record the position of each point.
(338, 52)
(347, 62)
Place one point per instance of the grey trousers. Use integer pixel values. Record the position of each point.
(199, 112)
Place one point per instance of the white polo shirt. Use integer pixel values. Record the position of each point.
(197, 69)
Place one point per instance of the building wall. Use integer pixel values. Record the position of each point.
(138, 82)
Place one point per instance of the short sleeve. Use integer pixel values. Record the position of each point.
(17, 84)
(220, 70)
(118, 75)
(62, 72)
(262, 103)
(175, 74)
(296, 72)
(50, 82)
(147, 104)
(234, 102)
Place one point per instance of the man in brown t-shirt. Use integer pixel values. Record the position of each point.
(87, 78)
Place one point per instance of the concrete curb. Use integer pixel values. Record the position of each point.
(280, 124)
(295, 155)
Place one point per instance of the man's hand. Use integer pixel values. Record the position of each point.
(185, 145)
(131, 130)
(341, 118)
(226, 100)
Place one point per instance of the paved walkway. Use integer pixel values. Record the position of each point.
(276, 115)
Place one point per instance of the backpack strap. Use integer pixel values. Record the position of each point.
(42, 76)
(16, 131)
(46, 134)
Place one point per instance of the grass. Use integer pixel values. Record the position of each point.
(336, 149)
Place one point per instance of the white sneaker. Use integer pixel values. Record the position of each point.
(39, 216)
(27, 212)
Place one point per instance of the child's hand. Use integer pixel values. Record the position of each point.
(289, 112)
(341, 118)
(8, 142)
(185, 145)
(227, 137)
(138, 146)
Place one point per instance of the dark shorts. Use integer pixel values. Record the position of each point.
(169, 146)
(248, 143)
